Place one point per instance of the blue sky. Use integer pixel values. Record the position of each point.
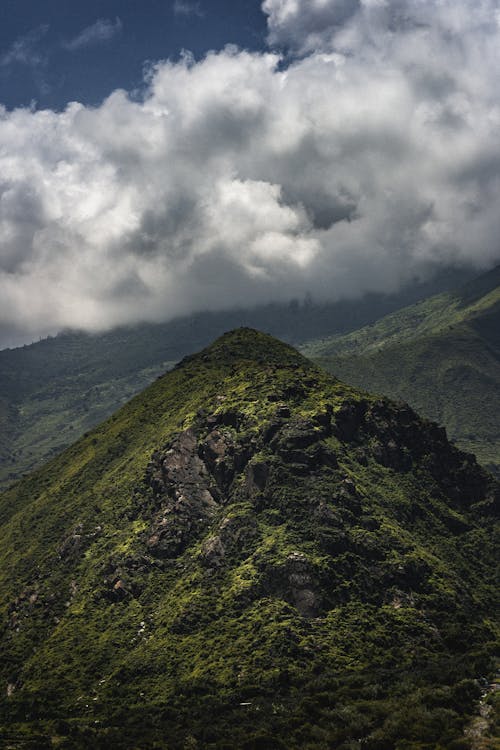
(55, 51)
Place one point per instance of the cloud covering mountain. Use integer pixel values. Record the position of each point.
(366, 155)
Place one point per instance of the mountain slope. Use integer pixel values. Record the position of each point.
(442, 356)
(55, 390)
(249, 554)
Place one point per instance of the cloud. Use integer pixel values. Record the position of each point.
(359, 27)
(25, 50)
(368, 160)
(185, 8)
(307, 24)
(99, 32)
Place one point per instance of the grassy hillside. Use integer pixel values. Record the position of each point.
(53, 391)
(249, 554)
(441, 355)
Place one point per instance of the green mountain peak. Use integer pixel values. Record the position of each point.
(247, 344)
(54, 390)
(249, 554)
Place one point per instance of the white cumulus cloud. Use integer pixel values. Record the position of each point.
(369, 158)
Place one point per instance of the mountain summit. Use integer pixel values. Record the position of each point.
(249, 554)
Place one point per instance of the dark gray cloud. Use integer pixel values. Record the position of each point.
(371, 158)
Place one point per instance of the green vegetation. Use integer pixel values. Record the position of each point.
(442, 356)
(249, 554)
(53, 391)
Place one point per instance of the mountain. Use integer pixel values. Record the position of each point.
(53, 391)
(441, 355)
(250, 554)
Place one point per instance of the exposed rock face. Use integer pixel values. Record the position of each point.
(297, 443)
(213, 552)
(257, 476)
(209, 466)
(199, 472)
(194, 476)
(186, 493)
(398, 439)
(295, 582)
(349, 418)
(75, 543)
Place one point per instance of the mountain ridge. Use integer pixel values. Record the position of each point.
(56, 389)
(441, 355)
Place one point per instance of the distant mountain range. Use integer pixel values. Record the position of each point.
(250, 555)
(441, 355)
(53, 391)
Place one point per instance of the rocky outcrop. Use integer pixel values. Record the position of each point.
(186, 493)
(77, 541)
(396, 438)
(207, 466)
(295, 582)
